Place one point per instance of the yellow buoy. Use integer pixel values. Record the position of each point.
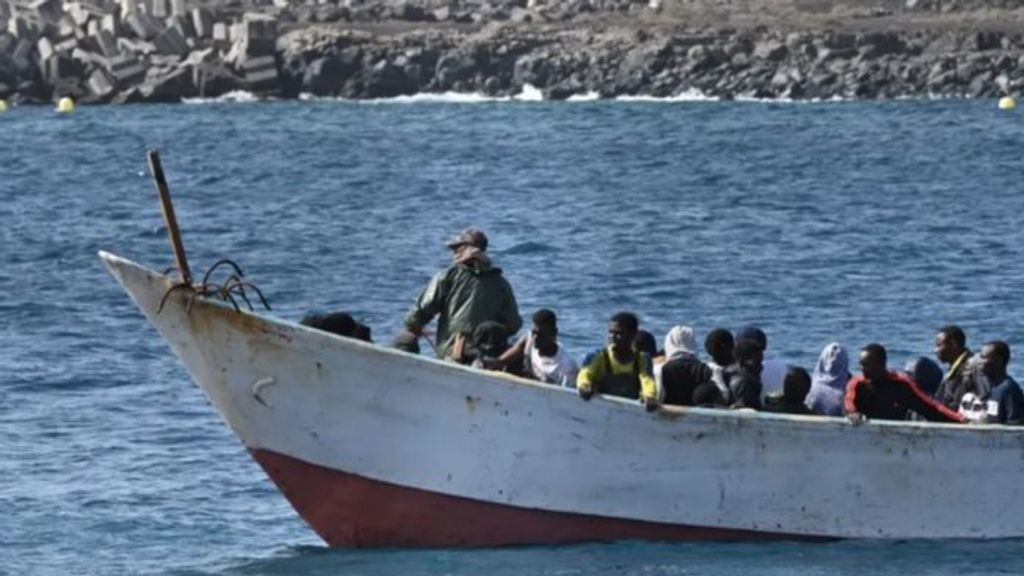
(1007, 103)
(65, 105)
(3, 105)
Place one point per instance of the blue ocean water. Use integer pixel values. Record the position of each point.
(854, 222)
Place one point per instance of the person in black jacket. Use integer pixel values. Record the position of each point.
(683, 372)
(951, 348)
(744, 377)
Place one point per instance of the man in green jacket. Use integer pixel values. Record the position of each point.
(469, 292)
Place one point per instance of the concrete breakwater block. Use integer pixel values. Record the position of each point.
(143, 25)
(100, 85)
(202, 23)
(106, 43)
(48, 10)
(171, 41)
(261, 74)
(159, 9)
(127, 70)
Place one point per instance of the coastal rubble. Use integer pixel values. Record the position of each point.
(165, 50)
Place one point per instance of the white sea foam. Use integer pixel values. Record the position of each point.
(586, 97)
(749, 97)
(233, 96)
(529, 93)
(443, 97)
(688, 95)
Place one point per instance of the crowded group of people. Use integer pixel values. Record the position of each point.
(477, 316)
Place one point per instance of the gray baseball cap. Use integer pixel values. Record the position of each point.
(470, 236)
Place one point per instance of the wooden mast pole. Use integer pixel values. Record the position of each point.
(157, 170)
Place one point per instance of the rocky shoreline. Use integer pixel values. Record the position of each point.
(102, 51)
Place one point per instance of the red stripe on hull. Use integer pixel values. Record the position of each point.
(352, 511)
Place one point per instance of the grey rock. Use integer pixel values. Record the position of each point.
(980, 86)
(770, 50)
(45, 48)
(88, 59)
(258, 26)
(702, 58)
(59, 68)
(214, 79)
(325, 76)
(202, 22)
(493, 85)
(142, 25)
(184, 25)
(159, 9)
(739, 61)
(170, 86)
(826, 54)
(840, 41)
(47, 10)
(520, 15)
(261, 75)
(220, 33)
(107, 44)
(171, 42)
(135, 46)
(387, 81)
(100, 85)
(20, 27)
(127, 70)
(454, 67)
(111, 24)
(881, 43)
(20, 54)
(983, 41)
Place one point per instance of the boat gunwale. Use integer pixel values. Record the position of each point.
(664, 412)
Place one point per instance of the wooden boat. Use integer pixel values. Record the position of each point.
(375, 447)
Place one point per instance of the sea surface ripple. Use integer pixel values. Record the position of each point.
(854, 222)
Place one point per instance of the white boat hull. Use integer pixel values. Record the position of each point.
(374, 447)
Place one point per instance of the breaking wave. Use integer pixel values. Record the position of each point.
(688, 95)
(529, 93)
(585, 97)
(235, 96)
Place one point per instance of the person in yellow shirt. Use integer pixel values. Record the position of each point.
(619, 369)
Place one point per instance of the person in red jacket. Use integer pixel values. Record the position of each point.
(887, 395)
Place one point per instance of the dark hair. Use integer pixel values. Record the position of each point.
(878, 350)
(797, 384)
(489, 339)
(545, 317)
(340, 323)
(753, 333)
(628, 320)
(718, 338)
(954, 333)
(745, 349)
(925, 372)
(1002, 349)
(362, 332)
(645, 342)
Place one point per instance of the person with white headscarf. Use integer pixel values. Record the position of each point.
(682, 371)
(829, 380)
